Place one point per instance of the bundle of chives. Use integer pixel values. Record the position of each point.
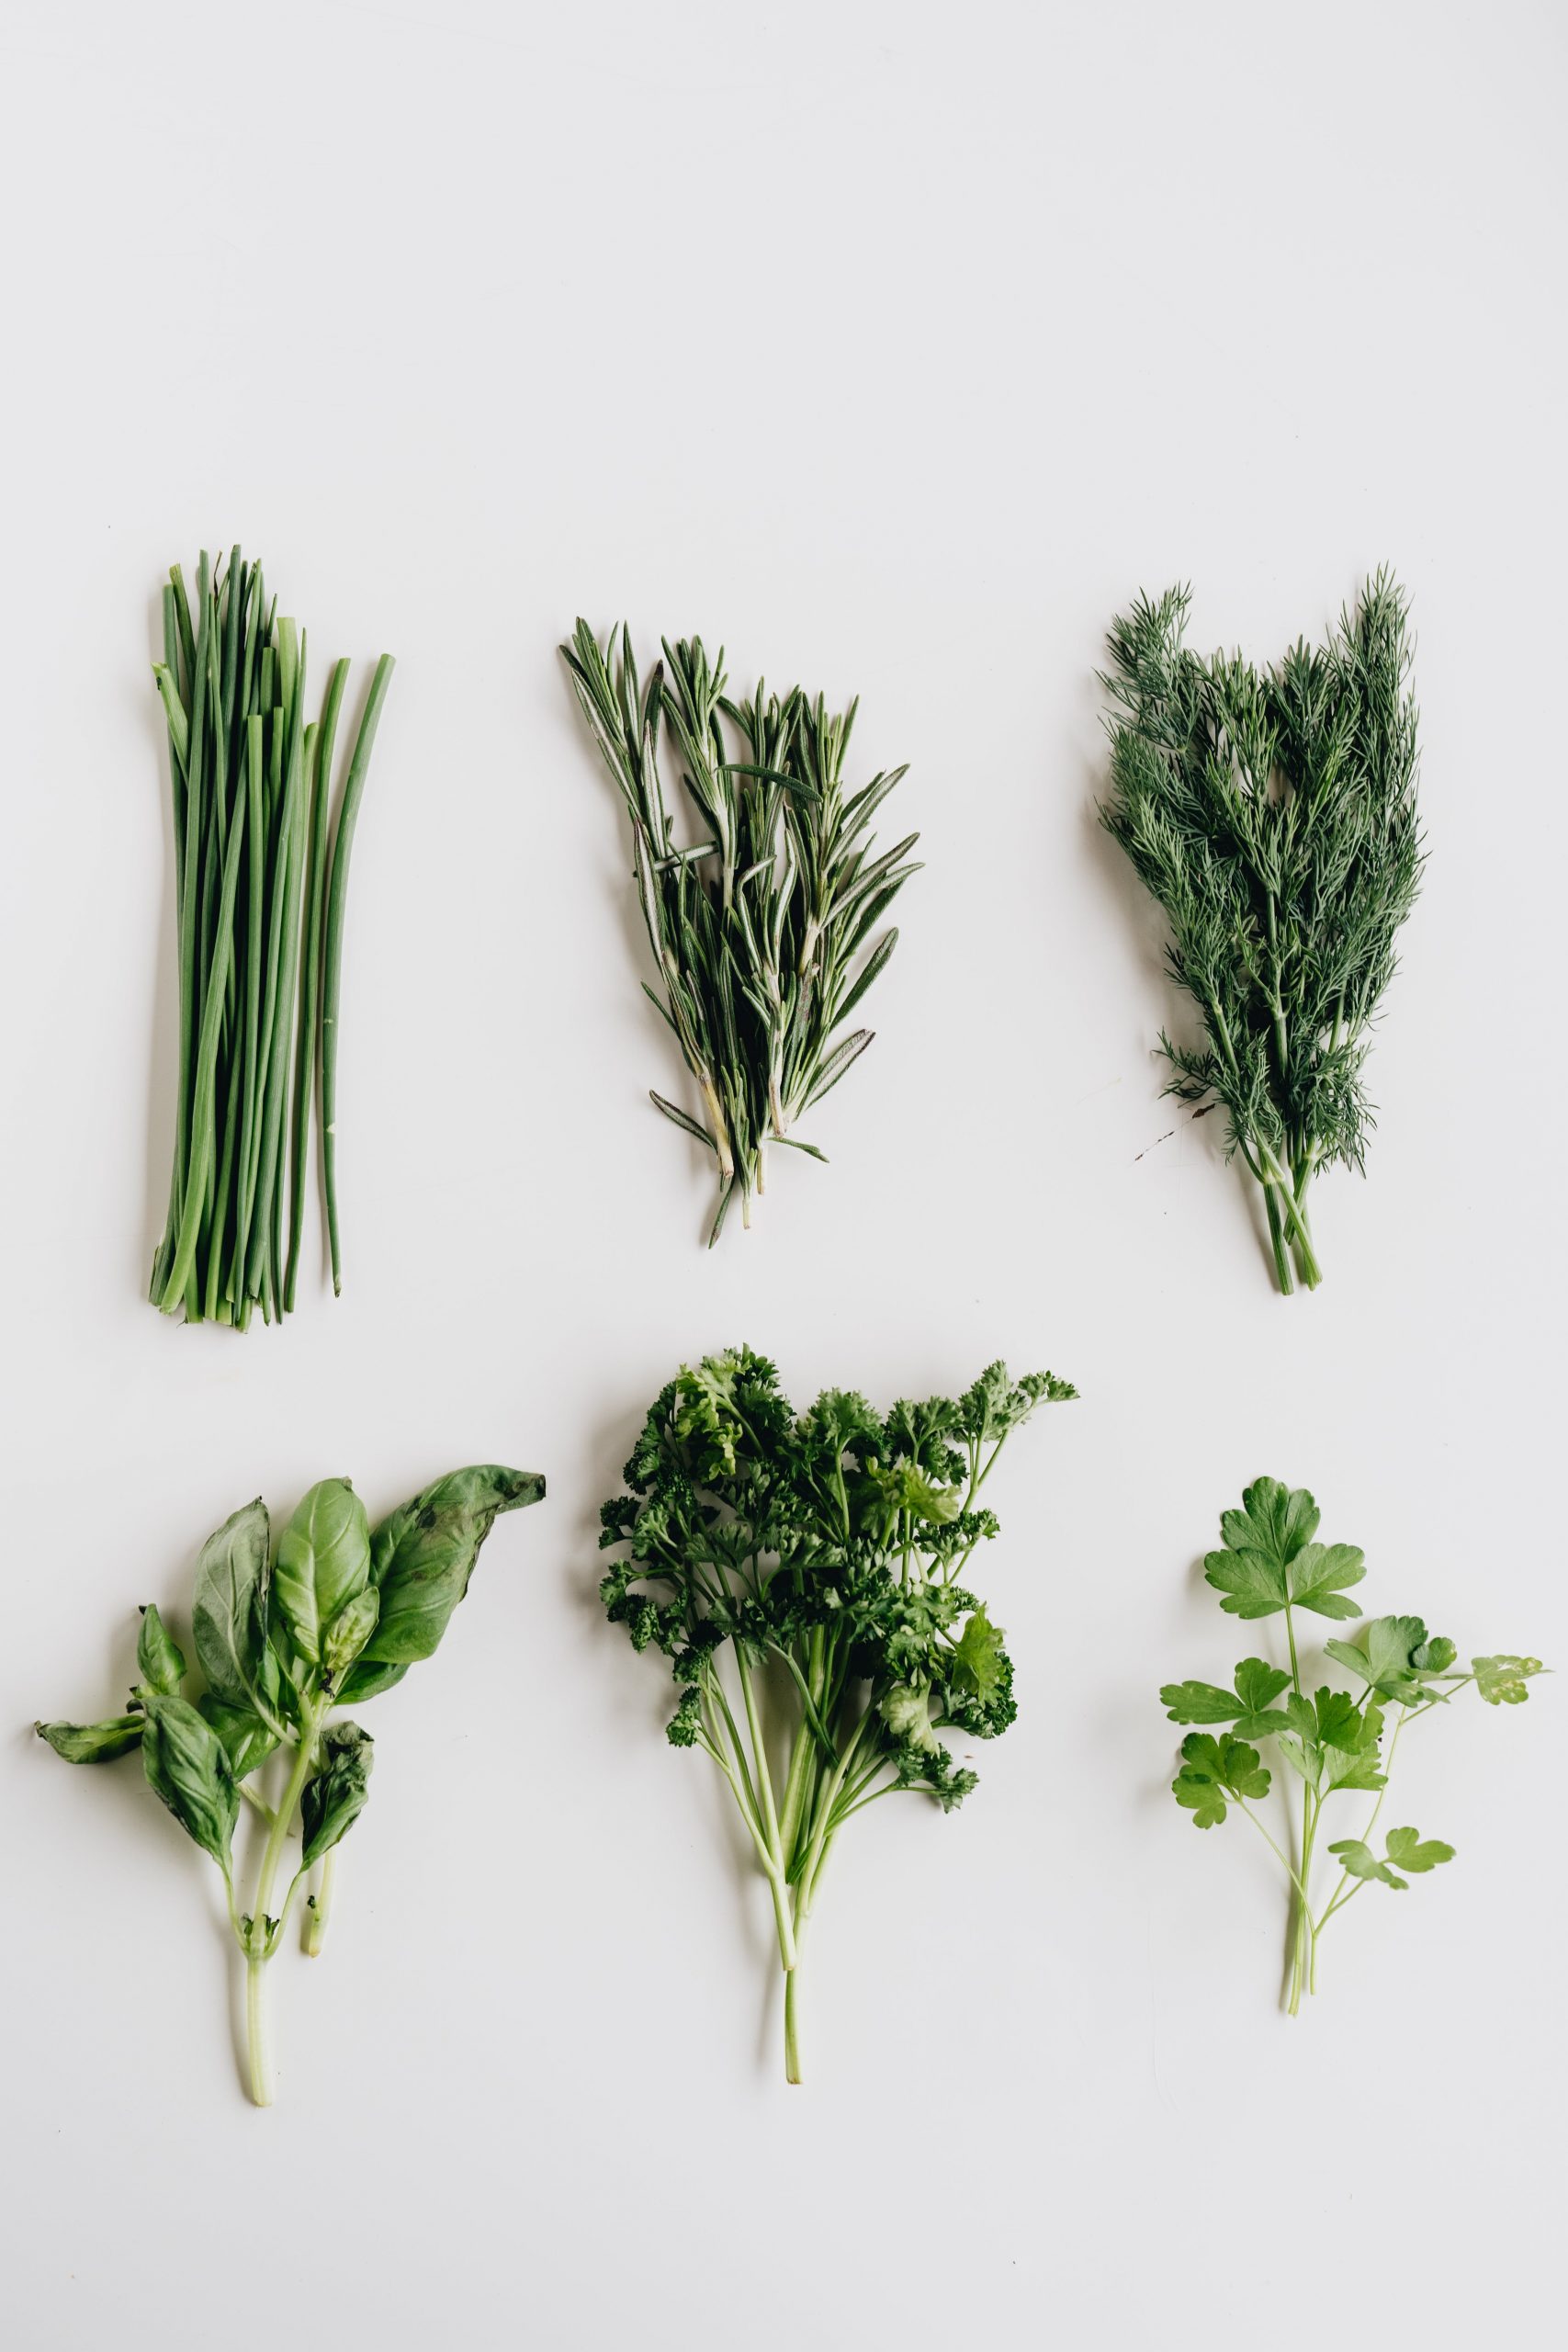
(261, 886)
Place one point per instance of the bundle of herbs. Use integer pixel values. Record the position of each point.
(757, 929)
(805, 1577)
(1333, 1743)
(340, 1616)
(260, 887)
(1272, 814)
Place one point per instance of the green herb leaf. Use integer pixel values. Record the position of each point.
(980, 1659)
(93, 1743)
(1200, 1702)
(323, 1561)
(906, 1709)
(336, 1794)
(159, 1659)
(349, 1631)
(1408, 1850)
(1270, 1560)
(1213, 1769)
(1501, 1680)
(365, 1680)
(229, 1613)
(1383, 1656)
(1248, 1705)
(188, 1766)
(247, 1741)
(1359, 1858)
(424, 1555)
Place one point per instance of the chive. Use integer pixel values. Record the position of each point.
(284, 945)
(256, 856)
(332, 987)
(318, 760)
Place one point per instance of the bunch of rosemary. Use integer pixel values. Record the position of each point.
(756, 930)
(1272, 814)
(260, 892)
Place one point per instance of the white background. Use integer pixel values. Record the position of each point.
(898, 346)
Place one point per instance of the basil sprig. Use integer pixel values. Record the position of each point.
(341, 1613)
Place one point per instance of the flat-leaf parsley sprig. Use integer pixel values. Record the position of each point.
(1272, 814)
(337, 1617)
(758, 929)
(1333, 1743)
(809, 1572)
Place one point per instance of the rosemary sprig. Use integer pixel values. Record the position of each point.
(758, 929)
(260, 896)
(1272, 814)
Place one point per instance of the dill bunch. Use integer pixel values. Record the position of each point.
(758, 931)
(1272, 814)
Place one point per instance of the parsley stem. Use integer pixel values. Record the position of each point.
(792, 2036)
(1285, 1862)
(1339, 1897)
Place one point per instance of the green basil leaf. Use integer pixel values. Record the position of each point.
(424, 1555)
(188, 1766)
(349, 1631)
(335, 1794)
(229, 1615)
(367, 1680)
(93, 1743)
(246, 1739)
(322, 1561)
(159, 1658)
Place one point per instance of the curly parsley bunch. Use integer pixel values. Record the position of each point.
(816, 1564)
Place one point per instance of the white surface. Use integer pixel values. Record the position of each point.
(896, 345)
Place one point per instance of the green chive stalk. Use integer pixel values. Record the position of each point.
(260, 888)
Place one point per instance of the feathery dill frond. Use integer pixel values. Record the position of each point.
(1272, 814)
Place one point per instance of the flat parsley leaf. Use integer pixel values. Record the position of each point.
(1270, 1560)
(1408, 1850)
(1501, 1680)
(1383, 1655)
(1248, 1705)
(1213, 1769)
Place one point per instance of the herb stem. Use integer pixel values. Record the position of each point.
(261, 1939)
(258, 2031)
(318, 1910)
(331, 985)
